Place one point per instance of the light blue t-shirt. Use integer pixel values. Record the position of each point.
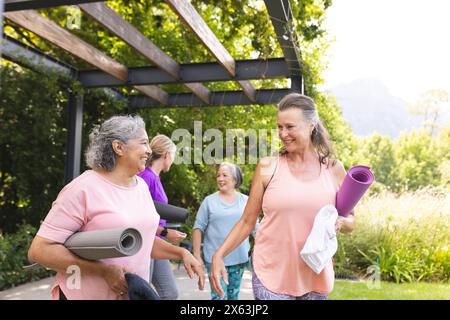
(215, 219)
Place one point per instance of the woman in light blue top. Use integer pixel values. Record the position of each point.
(217, 215)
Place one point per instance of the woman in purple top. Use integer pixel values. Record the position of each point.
(162, 157)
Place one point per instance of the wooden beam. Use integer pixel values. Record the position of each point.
(125, 31)
(17, 5)
(189, 15)
(248, 89)
(155, 93)
(200, 91)
(195, 22)
(60, 37)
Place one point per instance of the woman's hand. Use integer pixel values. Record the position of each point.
(199, 259)
(218, 270)
(345, 224)
(115, 277)
(339, 224)
(192, 266)
(175, 236)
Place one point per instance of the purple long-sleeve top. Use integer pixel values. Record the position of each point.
(156, 189)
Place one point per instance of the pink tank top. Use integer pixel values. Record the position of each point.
(289, 207)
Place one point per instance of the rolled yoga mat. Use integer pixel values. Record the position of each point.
(356, 183)
(104, 244)
(171, 213)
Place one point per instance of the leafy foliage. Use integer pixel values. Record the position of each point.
(406, 236)
(13, 254)
(33, 116)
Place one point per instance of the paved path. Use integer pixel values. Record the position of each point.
(40, 290)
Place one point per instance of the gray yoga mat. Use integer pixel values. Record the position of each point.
(170, 212)
(104, 244)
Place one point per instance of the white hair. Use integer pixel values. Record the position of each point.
(236, 172)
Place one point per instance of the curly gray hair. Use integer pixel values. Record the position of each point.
(100, 153)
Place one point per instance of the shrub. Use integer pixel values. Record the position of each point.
(407, 236)
(13, 256)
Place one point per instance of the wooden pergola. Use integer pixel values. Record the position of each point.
(163, 70)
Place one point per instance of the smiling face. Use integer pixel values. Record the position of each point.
(135, 153)
(225, 180)
(293, 129)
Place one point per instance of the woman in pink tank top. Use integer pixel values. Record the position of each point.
(290, 189)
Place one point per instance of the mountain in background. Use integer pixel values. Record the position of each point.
(368, 106)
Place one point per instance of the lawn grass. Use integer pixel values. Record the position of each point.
(354, 290)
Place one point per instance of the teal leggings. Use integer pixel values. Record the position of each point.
(231, 291)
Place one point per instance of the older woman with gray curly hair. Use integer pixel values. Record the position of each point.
(109, 196)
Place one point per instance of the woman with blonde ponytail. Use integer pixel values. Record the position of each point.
(161, 159)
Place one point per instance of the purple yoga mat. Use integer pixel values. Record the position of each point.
(356, 183)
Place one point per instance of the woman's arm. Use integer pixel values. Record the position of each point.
(164, 250)
(173, 236)
(55, 256)
(343, 224)
(247, 223)
(244, 226)
(196, 245)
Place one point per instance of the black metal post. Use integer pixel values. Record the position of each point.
(74, 130)
(218, 98)
(1, 26)
(282, 17)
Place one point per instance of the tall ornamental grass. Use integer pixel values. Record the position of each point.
(406, 237)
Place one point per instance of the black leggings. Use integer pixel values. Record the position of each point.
(62, 296)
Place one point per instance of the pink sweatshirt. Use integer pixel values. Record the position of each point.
(91, 202)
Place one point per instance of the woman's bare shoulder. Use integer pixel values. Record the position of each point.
(338, 170)
(266, 169)
(267, 165)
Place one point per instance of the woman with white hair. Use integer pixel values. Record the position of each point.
(216, 217)
(109, 196)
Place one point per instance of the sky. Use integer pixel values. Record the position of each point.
(404, 43)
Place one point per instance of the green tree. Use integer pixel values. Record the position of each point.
(431, 105)
(443, 142)
(245, 30)
(377, 152)
(416, 155)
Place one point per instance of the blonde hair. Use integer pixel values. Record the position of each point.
(160, 144)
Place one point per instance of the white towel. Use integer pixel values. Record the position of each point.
(321, 244)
